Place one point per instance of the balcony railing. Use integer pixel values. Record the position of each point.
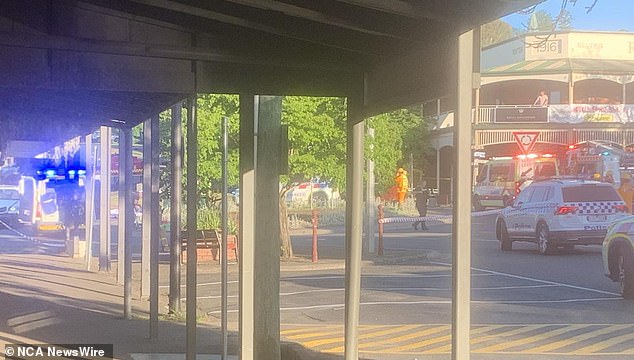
(562, 114)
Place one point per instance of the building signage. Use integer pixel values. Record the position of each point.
(526, 140)
(536, 114)
(579, 113)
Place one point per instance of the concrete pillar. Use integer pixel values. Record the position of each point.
(461, 196)
(90, 199)
(354, 223)
(175, 208)
(192, 214)
(155, 219)
(146, 204)
(370, 204)
(126, 215)
(571, 91)
(248, 121)
(123, 208)
(266, 262)
(105, 235)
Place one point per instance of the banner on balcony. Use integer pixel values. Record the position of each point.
(579, 113)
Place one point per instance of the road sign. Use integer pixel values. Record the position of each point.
(526, 140)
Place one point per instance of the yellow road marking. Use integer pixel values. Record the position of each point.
(301, 330)
(605, 344)
(398, 339)
(435, 340)
(530, 339)
(521, 330)
(393, 339)
(308, 335)
(369, 335)
(577, 338)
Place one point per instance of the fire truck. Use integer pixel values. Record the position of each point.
(600, 161)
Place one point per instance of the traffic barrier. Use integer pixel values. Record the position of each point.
(411, 219)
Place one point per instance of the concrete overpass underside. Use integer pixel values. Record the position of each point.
(71, 66)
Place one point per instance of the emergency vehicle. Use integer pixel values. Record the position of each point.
(56, 191)
(599, 161)
(499, 180)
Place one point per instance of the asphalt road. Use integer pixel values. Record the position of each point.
(524, 305)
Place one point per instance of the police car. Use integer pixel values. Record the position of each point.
(618, 255)
(560, 213)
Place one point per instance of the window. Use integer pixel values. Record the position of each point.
(539, 194)
(524, 195)
(502, 172)
(482, 173)
(546, 170)
(589, 192)
(9, 194)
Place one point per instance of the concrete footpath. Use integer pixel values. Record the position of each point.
(47, 298)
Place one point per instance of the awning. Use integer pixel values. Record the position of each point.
(619, 71)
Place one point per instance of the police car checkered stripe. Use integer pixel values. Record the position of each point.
(596, 207)
(442, 218)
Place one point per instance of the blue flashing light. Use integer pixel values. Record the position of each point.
(605, 153)
(71, 172)
(81, 172)
(50, 173)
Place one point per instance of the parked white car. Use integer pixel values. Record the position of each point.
(560, 213)
(321, 192)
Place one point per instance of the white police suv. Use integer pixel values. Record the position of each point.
(560, 213)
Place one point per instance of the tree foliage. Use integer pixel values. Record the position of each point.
(397, 135)
(495, 32)
(317, 138)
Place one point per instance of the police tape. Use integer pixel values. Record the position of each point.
(19, 233)
(441, 218)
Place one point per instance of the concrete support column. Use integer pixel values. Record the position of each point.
(437, 172)
(146, 204)
(155, 218)
(123, 208)
(192, 215)
(90, 199)
(354, 223)
(126, 215)
(370, 204)
(461, 196)
(248, 122)
(175, 208)
(571, 91)
(266, 261)
(105, 235)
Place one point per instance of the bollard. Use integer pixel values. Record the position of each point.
(315, 217)
(380, 246)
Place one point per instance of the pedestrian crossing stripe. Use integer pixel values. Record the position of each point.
(411, 339)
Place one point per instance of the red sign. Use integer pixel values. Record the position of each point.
(526, 140)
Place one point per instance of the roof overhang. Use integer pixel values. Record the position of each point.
(94, 62)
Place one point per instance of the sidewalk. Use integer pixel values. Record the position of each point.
(47, 298)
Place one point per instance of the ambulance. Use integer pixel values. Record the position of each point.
(500, 179)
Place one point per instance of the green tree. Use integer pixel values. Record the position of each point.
(397, 135)
(495, 32)
(545, 21)
(317, 138)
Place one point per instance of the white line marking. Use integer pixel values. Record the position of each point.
(539, 280)
(331, 277)
(435, 302)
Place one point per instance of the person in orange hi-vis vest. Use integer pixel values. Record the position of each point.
(402, 184)
(626, 190)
